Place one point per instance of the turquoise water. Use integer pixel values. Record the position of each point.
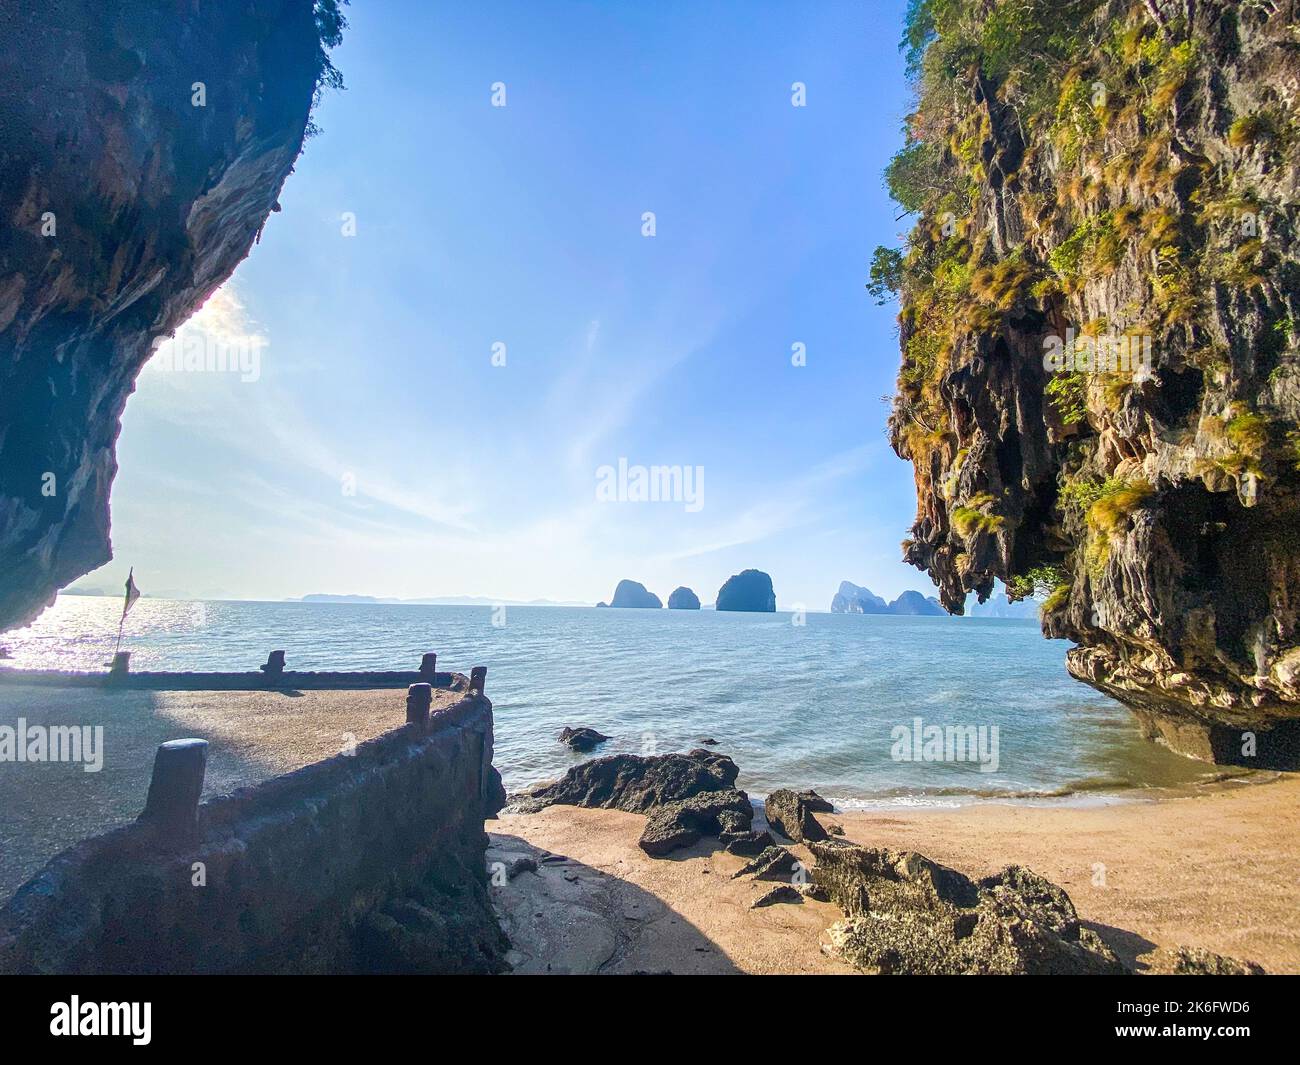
(812, 705)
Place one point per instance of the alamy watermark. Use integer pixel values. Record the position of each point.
(1103, 353)
(53, 743)
(198, 351)
(920, 742)
(626, 483)
(75, 1017)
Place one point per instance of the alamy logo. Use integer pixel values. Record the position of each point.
(651, 484)
(1104, 353)
(946, 743)
(102, 1018)
(53, 743)
(195, 351)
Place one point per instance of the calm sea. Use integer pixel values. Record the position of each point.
(796, 705)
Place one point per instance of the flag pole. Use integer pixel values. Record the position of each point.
(126, 605)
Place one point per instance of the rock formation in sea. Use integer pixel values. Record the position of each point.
(851, 599)
(854, 599)
(683, 599)
(135, 179)
(634, 594)
(998, 605)
(917, 605)
(1100, 382)
(581, 738)
(750, 590)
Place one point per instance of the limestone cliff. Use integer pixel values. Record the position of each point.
(634, 594)
(142, 147)
(851, 598)
(1099, 389)
(683, 598)
(750, 589)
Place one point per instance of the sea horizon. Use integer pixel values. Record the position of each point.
(807, 705)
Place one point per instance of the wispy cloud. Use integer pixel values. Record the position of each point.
(264, 425)
(794, 503)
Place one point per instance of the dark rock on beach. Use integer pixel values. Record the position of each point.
(582, 738)
(634, 594)
(907, 914)
(749, 590)
(1195, 961)
(683, 599)
(773, 863)
(635, 783)
(733, 821)
(791, 814)
(747, 844)
(778, 894)
(679, 824)
(686, 796)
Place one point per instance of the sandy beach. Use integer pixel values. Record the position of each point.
(1218, 870)
(1216, 867)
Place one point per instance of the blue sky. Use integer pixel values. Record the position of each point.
(522, 225)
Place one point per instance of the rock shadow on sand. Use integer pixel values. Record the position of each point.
(564, 917)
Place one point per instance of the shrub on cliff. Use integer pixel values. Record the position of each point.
(1119, 176)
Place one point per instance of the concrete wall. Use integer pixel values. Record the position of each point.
(368, 862)
(198, 681)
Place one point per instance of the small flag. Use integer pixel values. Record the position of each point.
(132, 593)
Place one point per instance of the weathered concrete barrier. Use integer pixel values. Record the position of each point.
(369, 861)
(271, 675)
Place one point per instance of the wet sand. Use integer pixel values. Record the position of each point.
(1219, 870)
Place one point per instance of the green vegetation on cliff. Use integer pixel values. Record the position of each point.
(1097, 325)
